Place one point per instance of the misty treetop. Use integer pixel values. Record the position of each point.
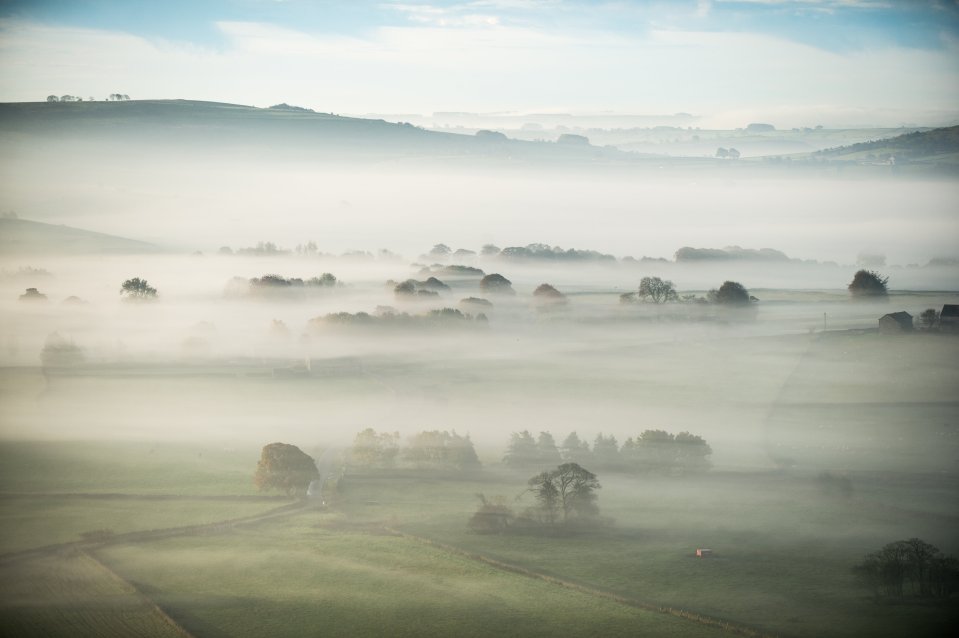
(286, 468)
(429, 449)
(731, 293)
(412, 289)
(137, 289)
(868, 284)
(388, 317)
(496, 284)
(928, 572)
(564, 495)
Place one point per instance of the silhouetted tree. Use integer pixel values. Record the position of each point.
(569, 490)
(137, 289)
(548, 293)
(32, 294)
(868, 283)
(656, 290)
(496, 284)
(286, 468)
(929, 318)
(731, 293)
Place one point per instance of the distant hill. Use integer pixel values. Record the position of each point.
(279, 131)
(19, 236)
(938, 145)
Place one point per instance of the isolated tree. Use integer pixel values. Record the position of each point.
(137, 289)
(568, 491)
(286, 468)
(549, 294)
(496, 284)
(722, 153)
(52, 98)
(868, 283)
(929, 318)
(732, 154)
(656, 290)
(32, 294)
(440, 250)
(488, 250)
(732, 293)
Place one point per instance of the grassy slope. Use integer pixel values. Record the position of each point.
(203, 127)
(291, 578)
(73, 596)
(32, 238)
(784, 547)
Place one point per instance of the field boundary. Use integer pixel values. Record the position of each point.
(152, 604)
(702, 619)
(142, 536)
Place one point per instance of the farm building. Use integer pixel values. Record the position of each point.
(704, 553)
(895, 323)
(949, 318)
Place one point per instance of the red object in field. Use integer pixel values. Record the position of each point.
(704, 553)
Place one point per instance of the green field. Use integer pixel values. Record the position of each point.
(297, 577)
(392, 554)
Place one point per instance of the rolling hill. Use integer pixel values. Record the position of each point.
(940, 146)
(21, 236)
(283, 131)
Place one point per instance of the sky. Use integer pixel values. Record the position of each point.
(789, 62)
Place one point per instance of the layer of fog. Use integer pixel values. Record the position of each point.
(195, 202)
(199, 364)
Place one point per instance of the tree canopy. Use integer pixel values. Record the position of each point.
(565, 493)
(868, 283)
(656, 290)
(915, 561)
(731, 293)
(496, 284)
(137, 289)
(286, 468)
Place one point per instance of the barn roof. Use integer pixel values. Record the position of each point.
(950, 310)
(902, 317)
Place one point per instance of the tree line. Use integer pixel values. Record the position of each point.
(914, 562)
(429, 449)
(651, 451)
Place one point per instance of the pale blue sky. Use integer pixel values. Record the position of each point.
(872, 61)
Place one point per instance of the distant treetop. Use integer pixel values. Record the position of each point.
(283, 106)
